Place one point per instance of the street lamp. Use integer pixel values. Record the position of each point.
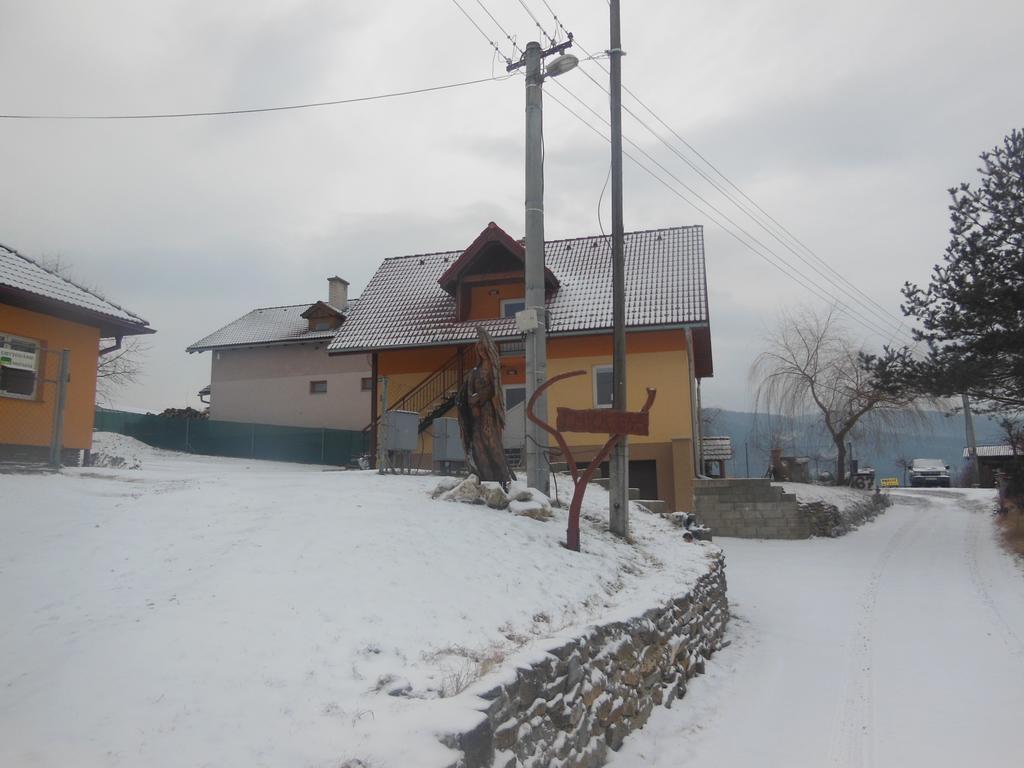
(533, 319)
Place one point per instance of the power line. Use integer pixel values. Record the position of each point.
(537, 22)
(842, 284)
(878, 310)
(779, 261)
(312, 105)
(818, 291)
(515, 46)
(472, 21)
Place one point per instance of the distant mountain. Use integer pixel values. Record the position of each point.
(940, 437)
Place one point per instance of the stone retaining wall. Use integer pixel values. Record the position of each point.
(756, 509)
(749, 509)
(830, 521)
(584, 696)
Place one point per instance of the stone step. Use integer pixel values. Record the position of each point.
(656, 506)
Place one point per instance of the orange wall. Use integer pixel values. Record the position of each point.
(655, 359)
(485, 300)
(601, 344)
(29, 422)
(422, 360)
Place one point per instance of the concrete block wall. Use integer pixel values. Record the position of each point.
(568, 709)
(750, 509)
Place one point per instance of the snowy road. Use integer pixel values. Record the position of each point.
(901, 644)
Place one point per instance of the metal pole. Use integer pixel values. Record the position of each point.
(382, 424)
(57, 436)
(536, 342)
(746, 455)
(972, 444)
(618, 514)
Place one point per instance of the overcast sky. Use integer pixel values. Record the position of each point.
(846, 121)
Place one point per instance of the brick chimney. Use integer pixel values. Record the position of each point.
(337, 293)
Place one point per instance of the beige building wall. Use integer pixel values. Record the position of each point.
(271, 385)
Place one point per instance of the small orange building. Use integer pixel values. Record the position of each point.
(418, 314)
(42, 314)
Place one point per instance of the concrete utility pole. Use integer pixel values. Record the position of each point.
(972, 444)
(618, 514)
(533, 320)
(536, 340)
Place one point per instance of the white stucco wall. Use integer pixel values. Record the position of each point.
(270, 385)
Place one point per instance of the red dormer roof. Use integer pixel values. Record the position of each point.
(481, 249)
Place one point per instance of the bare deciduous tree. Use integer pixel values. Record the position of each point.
(120, 366)
(812, 366)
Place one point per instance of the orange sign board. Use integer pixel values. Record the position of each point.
(604, 421)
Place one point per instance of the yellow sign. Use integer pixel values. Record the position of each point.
(890, 482)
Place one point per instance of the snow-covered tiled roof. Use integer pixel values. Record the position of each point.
(404, 306)
(267, 325)
(27, 276)
(991, 450)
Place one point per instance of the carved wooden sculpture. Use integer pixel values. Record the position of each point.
(482, 414)
(618, 423)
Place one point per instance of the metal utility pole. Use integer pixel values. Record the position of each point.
(533, 320)
(618, 514)
(60, 398)
(972, 444)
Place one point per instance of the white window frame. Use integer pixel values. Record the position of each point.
(594, 372)
(505, 302)
(504, 392)
(34, 395)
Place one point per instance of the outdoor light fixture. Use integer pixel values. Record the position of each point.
(561, 65)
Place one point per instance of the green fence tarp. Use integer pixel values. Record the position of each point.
(306, 445)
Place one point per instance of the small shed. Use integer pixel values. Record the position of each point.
(993, 458)
(716, 450)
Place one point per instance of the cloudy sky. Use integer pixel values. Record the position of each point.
(846, 121)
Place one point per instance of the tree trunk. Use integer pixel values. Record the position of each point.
(481, 428)
(840, 461)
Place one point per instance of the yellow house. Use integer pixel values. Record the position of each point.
(41, 315)
(418, 314)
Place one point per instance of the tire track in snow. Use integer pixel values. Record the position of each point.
(982, 586)
(853, 727)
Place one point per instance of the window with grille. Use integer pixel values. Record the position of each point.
(19, 366)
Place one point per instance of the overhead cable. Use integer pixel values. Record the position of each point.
(256, 110)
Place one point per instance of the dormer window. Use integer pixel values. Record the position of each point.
(509, 307)
(492, 266)
(323, 317)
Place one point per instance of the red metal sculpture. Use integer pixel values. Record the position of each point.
(617, 423)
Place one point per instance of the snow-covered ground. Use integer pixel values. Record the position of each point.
(838, 496)
(202, 611)
(901, 644)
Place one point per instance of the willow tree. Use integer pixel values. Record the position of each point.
(812, 368)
